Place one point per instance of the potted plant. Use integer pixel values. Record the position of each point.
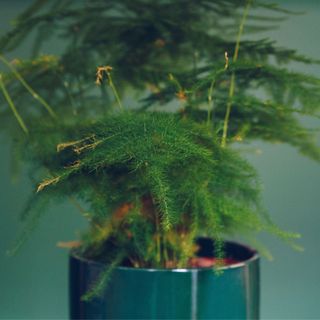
(161, 190)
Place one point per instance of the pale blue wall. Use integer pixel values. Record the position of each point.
(34, 283)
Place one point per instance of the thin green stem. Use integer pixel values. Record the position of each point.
(66, 87)
(115, 92)
(228, 111)
(12, 106)
(212, 86)
(158, 240)
(181, 93)
(233, 77)
(102, 281)
(165, 251)
(25, 84)
(175, 81)
(210, 107)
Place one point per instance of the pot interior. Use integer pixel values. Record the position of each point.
(232, 250)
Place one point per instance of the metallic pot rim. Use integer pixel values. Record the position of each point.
(255, 256)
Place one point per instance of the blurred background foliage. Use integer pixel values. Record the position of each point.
(145, 42)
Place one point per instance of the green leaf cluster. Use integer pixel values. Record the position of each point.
(150, 183)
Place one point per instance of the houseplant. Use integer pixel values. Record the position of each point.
(251, 126)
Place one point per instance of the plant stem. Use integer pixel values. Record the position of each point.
(12, 106)
(25, 84)
(181, 94)
(115, 92)
(165, 251)
(158, 238)
(211, 89)
(210, 92)
(233, 77)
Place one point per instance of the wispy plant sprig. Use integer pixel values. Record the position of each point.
(12, 105)
(99, 79)
(28, 87)
(232, 81)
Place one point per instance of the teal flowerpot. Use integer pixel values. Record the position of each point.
(197, 293)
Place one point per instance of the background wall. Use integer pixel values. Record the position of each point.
(34, 283)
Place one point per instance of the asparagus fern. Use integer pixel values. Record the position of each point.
(150, 181)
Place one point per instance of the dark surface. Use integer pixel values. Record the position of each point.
(170, 294)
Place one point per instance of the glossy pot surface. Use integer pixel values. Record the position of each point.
(197, 293)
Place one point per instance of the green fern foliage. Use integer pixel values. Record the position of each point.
(152, 175)
(144, 42)
(148, 180)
